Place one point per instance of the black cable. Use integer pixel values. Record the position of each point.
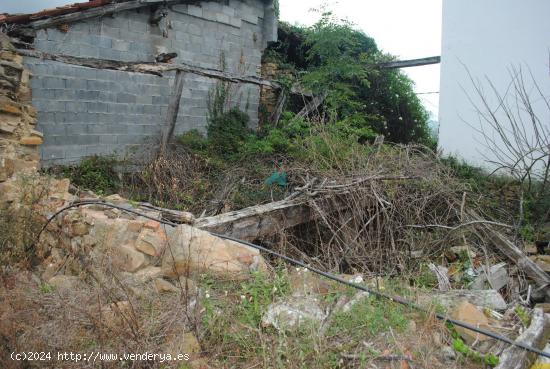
(333, 277)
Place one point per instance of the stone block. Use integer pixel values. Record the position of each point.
(109, 54)
(53, 82)
(194, 250)
(100, 150)
(94, 85)
(126, 98)
(85, 95)
(49, 153)
(151, 242)
(230, 11)
(54, 129)
(129, 259)
(236, 22)
(194, 10)
(113, 32)
(140, 27)
(120, 45)
(76, 106)
(89, 51)
(77, 84)
(52, 106)
(6, 168)
(222, 18)
(117, 108)
(31, 141)
(101, 41)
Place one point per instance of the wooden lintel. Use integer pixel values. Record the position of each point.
(147, 67)
(410, 63)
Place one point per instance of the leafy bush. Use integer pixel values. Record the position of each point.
(193, 140)
(95, 173)
(227, 132)
(339, 61)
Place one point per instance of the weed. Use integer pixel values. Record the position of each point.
(46, 288)
(425, 277)
(460, 347)
(95, 173)
(522, 315)
(20, 222)
(194, 140)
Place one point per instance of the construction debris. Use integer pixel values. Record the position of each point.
(536, 335)
(496, 277)
(484, 298)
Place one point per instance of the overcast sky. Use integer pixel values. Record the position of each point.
(405, 28)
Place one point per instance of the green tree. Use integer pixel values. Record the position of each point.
(341, 63)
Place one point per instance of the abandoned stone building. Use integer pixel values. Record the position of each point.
(105, 72)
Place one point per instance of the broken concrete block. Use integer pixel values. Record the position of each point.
(442, 275)
(536, 335)
(484, 298)
(6, 168)
(10, 108)
(496, 277)
(148, 273)
(116, 314)
(288, 315)
(457, 250)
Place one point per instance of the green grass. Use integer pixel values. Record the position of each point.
(233, 330)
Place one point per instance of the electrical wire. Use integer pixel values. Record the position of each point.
(396, 299)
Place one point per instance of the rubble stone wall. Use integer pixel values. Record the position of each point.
(84, 111)
(19, 140)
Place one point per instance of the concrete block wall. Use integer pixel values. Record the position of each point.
(84, 111)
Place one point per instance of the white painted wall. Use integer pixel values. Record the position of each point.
(488, 37)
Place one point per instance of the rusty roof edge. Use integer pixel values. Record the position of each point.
(79, 11)
(107, 9)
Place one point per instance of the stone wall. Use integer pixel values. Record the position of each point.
(84, 111)
(18, 138)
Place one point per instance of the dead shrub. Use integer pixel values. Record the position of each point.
(104, 311)
(383, 212)
(21, 220)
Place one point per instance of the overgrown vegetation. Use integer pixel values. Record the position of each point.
(334, 59)
(234, 335)
(94, 173)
